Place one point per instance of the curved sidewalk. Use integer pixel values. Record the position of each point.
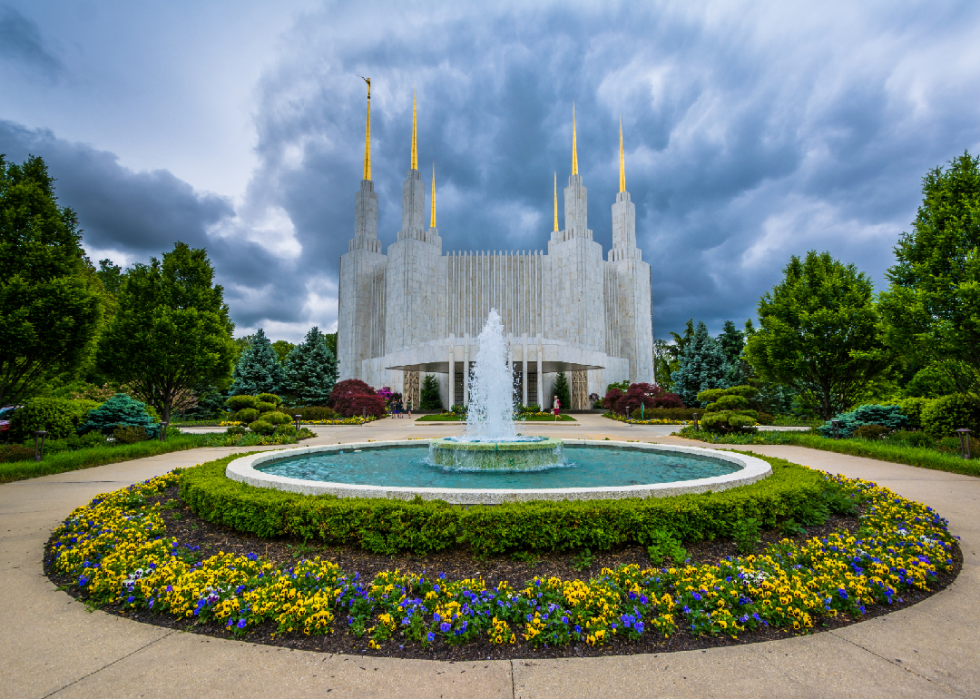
(54, 647)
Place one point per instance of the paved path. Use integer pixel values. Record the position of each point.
(53, 647)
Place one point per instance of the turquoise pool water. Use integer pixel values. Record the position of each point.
(585, 467)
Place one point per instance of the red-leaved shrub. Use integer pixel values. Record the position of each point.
(343, 395)
(645, 394)
(367, 405)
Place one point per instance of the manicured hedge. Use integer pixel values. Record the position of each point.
(392, 526)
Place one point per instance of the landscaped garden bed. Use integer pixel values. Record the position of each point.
(523, 417)
(142, 552)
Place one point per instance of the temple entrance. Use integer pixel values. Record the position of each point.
(580, 390)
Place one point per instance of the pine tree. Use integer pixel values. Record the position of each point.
(702, 366)
(310, 371)
(258, 369)
(562, 391)
(429, 398)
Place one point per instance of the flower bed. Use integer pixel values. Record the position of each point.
(117, 552)
(655, 421)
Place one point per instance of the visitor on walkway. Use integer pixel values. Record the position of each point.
(398, 408)
(557, 405)
(408, 408)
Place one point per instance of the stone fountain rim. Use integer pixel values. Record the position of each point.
(243, 470)
(545, 443)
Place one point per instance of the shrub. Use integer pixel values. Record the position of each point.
(889, 416)
(237, 403)
(269, 398)
(236, 429)
(912, 408)
(342, 396)
(120, 411)
(649, 396)
(765, 418)
(727, 409)
(264, 407)
(727, 421)
(871, 431)
(563, 392)
(611, 402)
(130, 435)
(276, 418)
(368, 405)
(246, 415)
(59, 417)
(15, 452)
(945, 415)
(316, 412)
(288, 430)
(392, 526)
(262, 427)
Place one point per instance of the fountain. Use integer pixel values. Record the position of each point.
(491, 440)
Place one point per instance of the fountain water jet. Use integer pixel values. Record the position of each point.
(491, 440)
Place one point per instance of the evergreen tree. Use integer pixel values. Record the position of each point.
(429, 398)
(310, 371)
(702, 366)
(258, 369)
(732, 341)
(562, 391)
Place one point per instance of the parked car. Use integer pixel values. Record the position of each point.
(6, 412)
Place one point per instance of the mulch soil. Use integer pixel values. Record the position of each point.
(191, 530)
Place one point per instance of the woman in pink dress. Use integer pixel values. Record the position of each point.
(556, 405)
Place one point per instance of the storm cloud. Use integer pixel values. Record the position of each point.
(752, 132)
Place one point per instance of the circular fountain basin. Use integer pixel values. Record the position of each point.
(523, 454)
(395, 470)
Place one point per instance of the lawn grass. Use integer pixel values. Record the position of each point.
(529, 418)
(923, 457)
(97, 456)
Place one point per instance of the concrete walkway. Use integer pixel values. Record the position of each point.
(54, 647)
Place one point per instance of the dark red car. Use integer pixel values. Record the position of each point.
(6, 412)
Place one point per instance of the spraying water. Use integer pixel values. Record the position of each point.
(491, 408)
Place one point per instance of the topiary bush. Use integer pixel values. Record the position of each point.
(287, 430)
(945, 415)
(264, 407)
(276, 418)
(890, 416)
(120, 411)
(247, 415)
(262, 427)
(236, 429)
(727, 409)
(59, 417)
(237, 403)
(269, 398)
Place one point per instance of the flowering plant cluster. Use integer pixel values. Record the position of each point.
(655, 421)
(116, 550)
(358, 420)
(230, 423)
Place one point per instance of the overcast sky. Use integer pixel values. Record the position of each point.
(753, 131)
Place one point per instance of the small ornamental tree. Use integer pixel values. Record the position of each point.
(647, 395)
(562, 391)
(310, 371)
(430, 398)
(702, 366)
(727, 409)
(368, 405)
(120, 411)
(258, 369)
(612, 398)
(342, 397)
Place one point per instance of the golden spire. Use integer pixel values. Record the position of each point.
(367, 136)
(556, 201)
(432, 224)
(622, 162)
(574, 145)
(415, 140)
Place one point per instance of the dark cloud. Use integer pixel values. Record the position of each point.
(21, 42)
(753, 132)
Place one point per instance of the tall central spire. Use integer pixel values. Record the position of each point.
(415, 139)
(556, 202)
(622, 162)
(574, 144)
(367, 134)
(432, 223)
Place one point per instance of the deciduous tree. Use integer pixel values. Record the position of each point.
(819, 333)
(171, 329)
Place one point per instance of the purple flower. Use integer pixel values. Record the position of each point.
(430, 637)
(445, 626)
(241, 623)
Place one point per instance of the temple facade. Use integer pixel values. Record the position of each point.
(414, 309)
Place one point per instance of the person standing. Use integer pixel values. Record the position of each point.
(556, 405)
(408, 408)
